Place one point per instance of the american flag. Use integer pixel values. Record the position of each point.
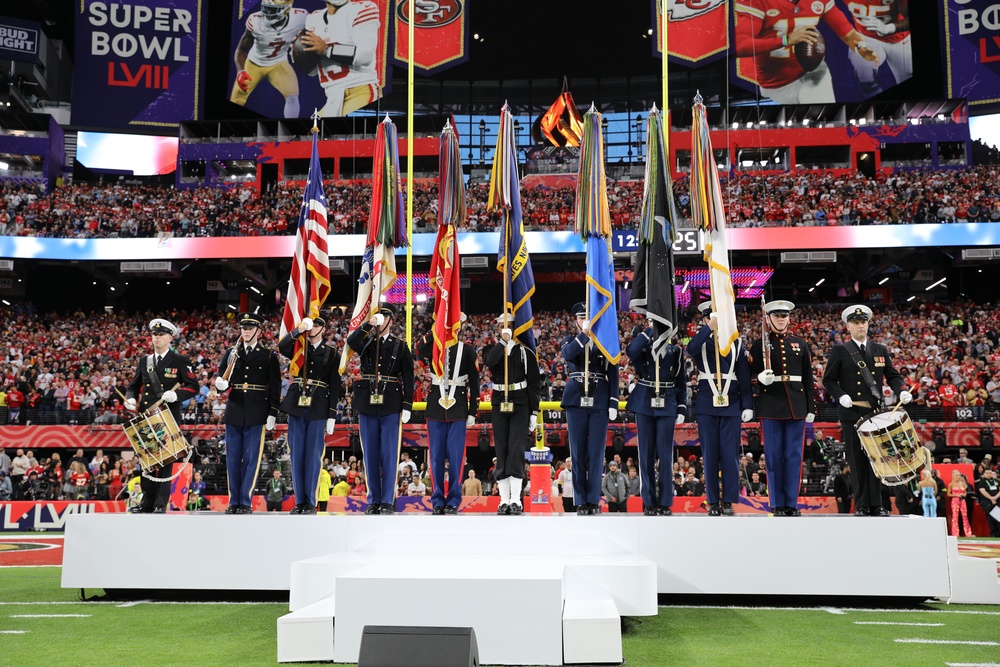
(309, 283)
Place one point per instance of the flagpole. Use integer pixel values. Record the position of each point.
(409, 170)
(506, 297)
(306, 293)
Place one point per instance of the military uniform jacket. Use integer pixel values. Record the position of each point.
(395, 369)
(843, 376)
(603, 378)
(321, 369)
(522, 367)
(790, 396)
(173, 368)
(673, 378)
(254, 385)
(740, 394)
(466, 394)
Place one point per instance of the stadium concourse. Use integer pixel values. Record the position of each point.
(802, 198)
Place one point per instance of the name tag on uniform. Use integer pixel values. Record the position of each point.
(586, 401)
(506, 406)
(721, 402)
(305, 401)
(656, 402)
(376, 399)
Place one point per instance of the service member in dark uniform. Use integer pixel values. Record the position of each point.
(658, 403)
(591, 401)
(311, 406)
(854, 375)
(719, 411)
(451, 408)
(515, 411)
(383, 397)
(156, 378)
(254, 381)
(784, 405)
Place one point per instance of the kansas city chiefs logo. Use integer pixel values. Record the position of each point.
(681, 10)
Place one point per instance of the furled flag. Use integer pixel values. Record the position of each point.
(386, 231)
(512, 259)
(653, 293)
(593, 224)
(309, 282)
(709, 216)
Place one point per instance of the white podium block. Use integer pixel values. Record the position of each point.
(306, 635)
(592, 631)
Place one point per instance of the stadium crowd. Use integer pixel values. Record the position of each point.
(766, 199)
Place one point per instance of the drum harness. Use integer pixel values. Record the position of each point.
(866, 375)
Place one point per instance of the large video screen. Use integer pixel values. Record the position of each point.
(138, 155)
(289, 59)
(821, 51)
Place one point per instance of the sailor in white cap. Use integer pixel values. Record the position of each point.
(783, 367)
(854, 377)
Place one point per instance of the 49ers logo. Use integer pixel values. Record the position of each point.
(430, 13)
(681, 10)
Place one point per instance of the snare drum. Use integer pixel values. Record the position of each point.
(892, 445)
(156, 438)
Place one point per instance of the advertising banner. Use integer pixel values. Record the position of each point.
(19, 40)
(50, 515)
(138, 63)
(971, 30)
(291, 58)
(698, 29)
(440, 35)
(821, 51)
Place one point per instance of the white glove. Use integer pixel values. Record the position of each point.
(532, 423)
(585, 326)
(271, 421)
(746, 415)
(766, 378)
(810, 418)
(612, 414)
(680, 418)
(378, 320)
(845, 401)
(470, 421)
(905, 397)
(330, 423)
(221, 384)
(130, 404)
(506, 334)
(169, 396)
(406, 416)
(876, 26)
(306, 324)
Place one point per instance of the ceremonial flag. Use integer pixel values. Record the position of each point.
(309, 282)
(446, 262)
(709, 216)
(386, 231)
(562, 124)
(593, 223)
(512, 258)
(653, 293)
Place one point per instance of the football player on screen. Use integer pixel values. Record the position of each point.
(344, 36)
(770, 32)
(263, 53)
(885, 25)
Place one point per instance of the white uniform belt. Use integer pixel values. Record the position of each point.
(788, 378)
(523, 384)
(459, 381)
(650, 383)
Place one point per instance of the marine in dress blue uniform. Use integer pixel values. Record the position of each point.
(311, 406)
(255, 392)
(784, 405)
(719, 417)
(591, 401)
(154, 378)
(383, 397)
(658, 403)
(446, 425)
(515, 411)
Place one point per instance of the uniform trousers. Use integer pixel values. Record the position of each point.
(243, 448)
(380, 448)
(783, 441)
(720, 443)
(655, 436)
(447, 441)
(154, 494)
(306, 445)
(588, 433)
(510, 436)
(867, 487)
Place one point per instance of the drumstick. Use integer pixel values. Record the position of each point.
(119, 392)
(160, 400)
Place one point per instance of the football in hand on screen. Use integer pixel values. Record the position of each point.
(303, 60)
(810, 56)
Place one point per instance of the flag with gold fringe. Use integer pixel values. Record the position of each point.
(446, 261)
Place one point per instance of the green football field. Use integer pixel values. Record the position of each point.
(43, 624)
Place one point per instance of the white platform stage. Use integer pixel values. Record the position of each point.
(564, 579)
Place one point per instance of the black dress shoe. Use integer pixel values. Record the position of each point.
(792, 511)
(140, 510)
(296, 510)
(879, 511)
(232, 509)
(595, 509)
(713, 510)
(385, 508)
(504, 508)
(373, 508)
(861, 511)
(243, 509)
(779, 511)
(727, 509)
(307, 509)
(450, 509)
(438, 510)
(582, 510)
(650, 511)
(159, 509)
(516, 508)
(664, 511)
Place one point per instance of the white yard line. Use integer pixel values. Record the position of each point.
(945, 641)
(972, 664)
(827, 609)
(923, 625)
(13, 632)
(50, 615)
(833, 610)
